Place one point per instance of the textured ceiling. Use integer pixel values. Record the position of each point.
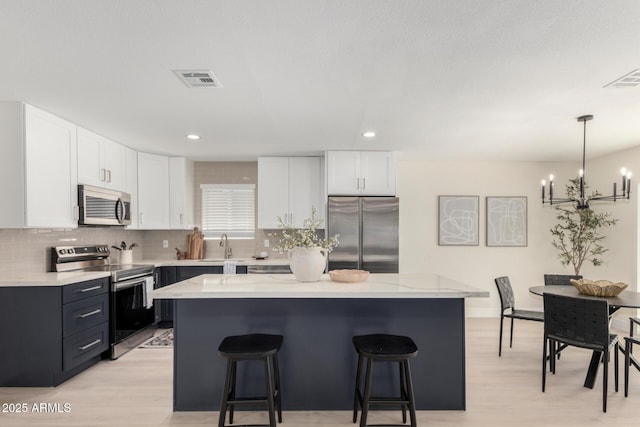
(476, 79)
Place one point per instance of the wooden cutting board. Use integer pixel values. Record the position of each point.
(195, 244)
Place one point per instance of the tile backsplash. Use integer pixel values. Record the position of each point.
(28, 250)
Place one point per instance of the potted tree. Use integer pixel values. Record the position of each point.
(577, 236)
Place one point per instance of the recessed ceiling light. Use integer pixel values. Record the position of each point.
(369, 134)
(193, 136)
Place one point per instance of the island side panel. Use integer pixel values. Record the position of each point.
(317, 360)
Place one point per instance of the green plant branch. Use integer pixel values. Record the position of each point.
(577, 236)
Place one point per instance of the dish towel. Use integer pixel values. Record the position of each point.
(148, 287)
(229, 267)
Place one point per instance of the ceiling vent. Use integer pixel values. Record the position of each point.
(198, 78)
(631, 79)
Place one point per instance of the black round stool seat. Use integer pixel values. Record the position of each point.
(384, 346)
(250, 346)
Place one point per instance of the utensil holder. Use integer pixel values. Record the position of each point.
(126, 256)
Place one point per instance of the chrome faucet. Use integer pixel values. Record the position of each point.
(224, 241)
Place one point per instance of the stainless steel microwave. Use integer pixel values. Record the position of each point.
(99, 206)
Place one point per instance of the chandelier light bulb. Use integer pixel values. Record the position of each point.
(629, 174)
(623, 171)
(581, 172)
(550, 178)
(544, 183)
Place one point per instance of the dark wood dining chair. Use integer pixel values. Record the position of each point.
(628, 352)
(560, 279)
(579, 322)
(508, 309)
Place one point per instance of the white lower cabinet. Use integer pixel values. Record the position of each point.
(38, 168)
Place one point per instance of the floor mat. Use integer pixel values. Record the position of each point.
(164, 340)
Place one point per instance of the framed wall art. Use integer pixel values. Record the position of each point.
(506, 221)
(458, 220)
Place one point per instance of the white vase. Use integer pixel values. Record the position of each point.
(307, 264)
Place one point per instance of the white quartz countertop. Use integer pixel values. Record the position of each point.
(50, 279)
(286, 286)
(35, 278)
(215, 261)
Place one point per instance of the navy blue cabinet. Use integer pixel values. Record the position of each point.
(51, 333)
(170, 275)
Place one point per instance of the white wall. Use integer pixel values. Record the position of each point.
(419, 185)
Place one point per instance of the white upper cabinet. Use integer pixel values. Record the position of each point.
(289, 187)
(38, 168)
(131, 184)
(153, 192)
(101, 162)
(367, 173)
(181, 181)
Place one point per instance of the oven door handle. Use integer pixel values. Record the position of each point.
(118, 286)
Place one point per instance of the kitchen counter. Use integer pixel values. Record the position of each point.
(215, 261)
(66, 278)
(50, 279)
(318, 320)
(286, 286)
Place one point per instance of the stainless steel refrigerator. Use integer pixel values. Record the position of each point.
(368, 228)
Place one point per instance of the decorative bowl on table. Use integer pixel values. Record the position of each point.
(349, 276)
(599, 288)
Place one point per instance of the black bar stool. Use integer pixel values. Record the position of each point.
(384, 348)
(240, 348)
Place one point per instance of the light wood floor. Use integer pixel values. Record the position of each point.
(136, 391)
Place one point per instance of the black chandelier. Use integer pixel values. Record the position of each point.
(582, 202)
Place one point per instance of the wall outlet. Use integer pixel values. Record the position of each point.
(266, 243)
(165, 244)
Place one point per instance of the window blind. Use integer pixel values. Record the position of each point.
(230, 209)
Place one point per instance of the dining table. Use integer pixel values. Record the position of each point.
(626, 299)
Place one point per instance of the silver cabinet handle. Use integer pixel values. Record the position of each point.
(93, 288)
(76, 213)
(91, 344)
(357, 183)
(141, 217)
(108, 175)
(181, 218)
(364, 183)
(89, 314)
(291, 218)
(103, 173)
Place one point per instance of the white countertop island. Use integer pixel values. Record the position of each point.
(286, 286)
(318, 321)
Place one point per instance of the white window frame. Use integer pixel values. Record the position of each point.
(234, 206)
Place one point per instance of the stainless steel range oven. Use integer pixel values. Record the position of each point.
(132, 314)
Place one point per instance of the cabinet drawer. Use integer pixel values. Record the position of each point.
(84, 314)
(84, 345)
(82, 290)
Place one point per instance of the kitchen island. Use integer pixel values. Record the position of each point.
(317, 320)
